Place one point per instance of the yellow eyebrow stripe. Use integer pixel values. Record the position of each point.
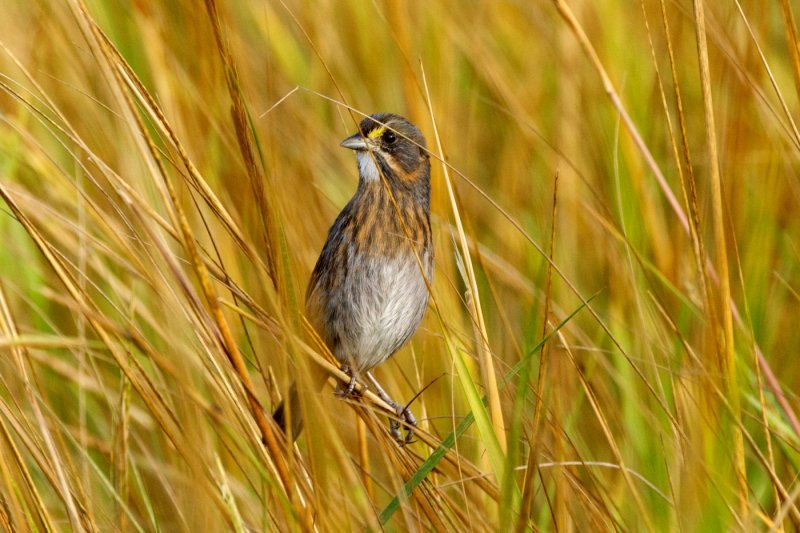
(377, 132)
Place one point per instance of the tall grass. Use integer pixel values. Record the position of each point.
(611, 342)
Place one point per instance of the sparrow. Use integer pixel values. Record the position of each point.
(369, 289)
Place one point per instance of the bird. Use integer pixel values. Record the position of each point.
(370, 286)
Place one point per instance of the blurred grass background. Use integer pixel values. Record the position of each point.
(169, 172)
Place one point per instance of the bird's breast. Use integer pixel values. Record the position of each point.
(388, 296)
(372, 306)
(369, 289)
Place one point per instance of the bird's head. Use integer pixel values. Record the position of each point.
(390, 145)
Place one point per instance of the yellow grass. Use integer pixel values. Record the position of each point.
(612, 334)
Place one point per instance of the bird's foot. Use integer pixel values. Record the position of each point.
(404, 416)
(350, 391)
(409, 421)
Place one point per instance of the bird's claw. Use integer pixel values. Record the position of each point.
(410, 422)
(404, 416)
(350, 390)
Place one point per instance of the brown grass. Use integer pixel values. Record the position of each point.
(611, 335)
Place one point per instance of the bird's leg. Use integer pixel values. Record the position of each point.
(403, 413)
(350, 390)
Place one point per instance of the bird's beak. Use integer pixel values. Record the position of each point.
(355, 142)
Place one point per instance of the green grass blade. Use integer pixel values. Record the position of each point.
(449, 441)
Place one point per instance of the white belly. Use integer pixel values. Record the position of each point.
(388, 298)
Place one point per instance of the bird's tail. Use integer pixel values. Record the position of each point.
(283, 416)
(290, 410)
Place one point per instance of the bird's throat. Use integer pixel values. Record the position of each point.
(367, 167)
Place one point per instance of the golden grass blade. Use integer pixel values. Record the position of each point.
(482, 341)
(151, 226)
(241, 123)
(724, 333)
(608, 86)
(146, 390)
(8, 329)
(61, 471)
(269, 437)
(791, 41)
(601, 418)
(784, 106)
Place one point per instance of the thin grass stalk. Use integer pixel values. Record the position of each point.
(22, 360)
(363, 458)
(569, 17)
(81, 326)
(482, 342)
(145, 388)
(241, 122)
(532, 469)
(15, 508)
(228, 497)
(267, 430)
(36, 511)
(122, 454)
(268, 433)
(689, 183)
(790, 29)
(764, 407)
(602, 419)
(721, 395)
(724, 335)
(770, 75)
(703, 263)
(60, 470)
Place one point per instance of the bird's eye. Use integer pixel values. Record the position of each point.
(389, 137)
